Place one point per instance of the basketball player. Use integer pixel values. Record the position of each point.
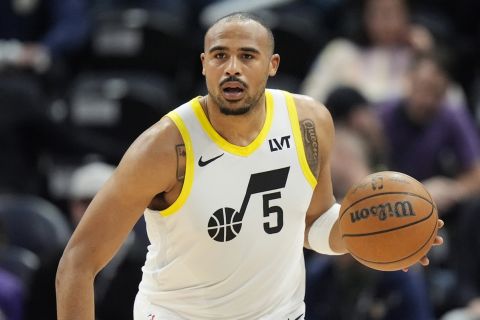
(233, 184)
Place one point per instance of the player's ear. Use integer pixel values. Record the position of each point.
(202, 58)
(274, 63)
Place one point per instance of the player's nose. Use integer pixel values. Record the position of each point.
(232, 67)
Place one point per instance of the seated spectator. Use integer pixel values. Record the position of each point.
(350, 160)
(85, 181)
(36, 40)
(376, 58)
(116, 285)
(36, 35)
(430, 140)
(351, 109)
(438, 144)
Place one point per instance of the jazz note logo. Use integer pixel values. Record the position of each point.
(225, 223)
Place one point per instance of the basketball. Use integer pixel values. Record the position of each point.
(388, 221)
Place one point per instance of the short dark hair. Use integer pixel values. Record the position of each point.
(440, 57)
(343, 100)
(247, 16)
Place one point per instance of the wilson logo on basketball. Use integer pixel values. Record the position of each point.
(383, 211)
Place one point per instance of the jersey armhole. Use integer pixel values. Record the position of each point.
(189, 166)
(297, 136)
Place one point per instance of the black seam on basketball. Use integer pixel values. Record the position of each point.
(412, 254)
(431, 199)
(382, 194)
(388, 230)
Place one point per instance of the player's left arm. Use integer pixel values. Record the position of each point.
(318, 132)
(322, 232)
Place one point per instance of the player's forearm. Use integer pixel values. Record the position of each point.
(323, 233)
(74, 292)
(335, 240)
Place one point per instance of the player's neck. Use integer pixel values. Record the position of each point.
(239, 130)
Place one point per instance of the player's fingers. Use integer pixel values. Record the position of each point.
(424, 261)
(440, 223)
(438, 241)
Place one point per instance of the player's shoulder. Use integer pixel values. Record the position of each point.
(157, 142)
(309, 108)
(151, 160)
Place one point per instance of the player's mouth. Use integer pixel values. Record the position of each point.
(233, 90)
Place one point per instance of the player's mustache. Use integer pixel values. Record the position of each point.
(233, 78)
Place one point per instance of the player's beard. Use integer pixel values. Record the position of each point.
(249, 104)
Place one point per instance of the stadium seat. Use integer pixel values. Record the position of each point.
(20, 261)
(34, 223)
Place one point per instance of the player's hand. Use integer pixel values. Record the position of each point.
(424, 261)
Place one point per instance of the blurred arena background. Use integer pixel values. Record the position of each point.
(80, 79)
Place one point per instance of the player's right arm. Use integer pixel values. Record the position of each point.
(148, 168)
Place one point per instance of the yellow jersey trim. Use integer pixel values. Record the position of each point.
(297, 136)
(189, 166)
(224, 144)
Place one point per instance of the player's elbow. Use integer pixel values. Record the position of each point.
(72, 264)
(65, 268)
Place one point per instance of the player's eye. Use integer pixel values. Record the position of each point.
(247, 56)
(220, 55)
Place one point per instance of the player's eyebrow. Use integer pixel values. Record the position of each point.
(223, 48)
(217, 48)
(249, 49)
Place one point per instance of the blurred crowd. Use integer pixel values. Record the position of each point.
(80, 79)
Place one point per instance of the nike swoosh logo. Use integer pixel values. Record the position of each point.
(203, 163)
(297, 318)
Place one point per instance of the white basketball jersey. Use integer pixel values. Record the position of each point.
(231, 245)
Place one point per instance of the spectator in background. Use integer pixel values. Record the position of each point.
(351, 159)
(376, 59)
(438, 144)
(430, 140)
(35, 35)
(351, 109)
(341, 288)
(116, 286)
(36, 39)
(85, 181)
